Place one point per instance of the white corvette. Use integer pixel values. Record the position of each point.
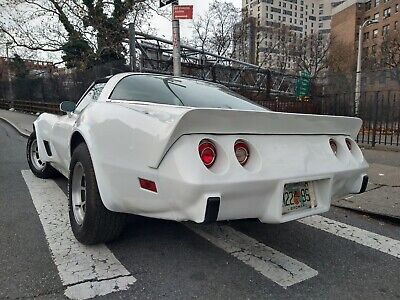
(183, 149)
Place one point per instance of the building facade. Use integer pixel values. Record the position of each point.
(279, 23)
(348, 17)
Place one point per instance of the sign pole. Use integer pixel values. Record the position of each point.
(132, 47)
(176, 39)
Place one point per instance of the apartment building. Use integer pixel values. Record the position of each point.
(348, 16)
(280, 22)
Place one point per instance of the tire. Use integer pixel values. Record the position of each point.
(39, 168)
(90, 220)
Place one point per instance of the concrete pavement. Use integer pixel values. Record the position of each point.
(382, 196)
(338, 255)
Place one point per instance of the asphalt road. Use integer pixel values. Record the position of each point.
(170, 260)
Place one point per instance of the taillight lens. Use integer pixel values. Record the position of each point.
(333, 145)
(242, 152)
(207, 152)
(348, 143)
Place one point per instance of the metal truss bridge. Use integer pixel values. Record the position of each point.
(153, 54)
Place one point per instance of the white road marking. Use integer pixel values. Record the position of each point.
(85, 271)
(363, 237)
(271, 263)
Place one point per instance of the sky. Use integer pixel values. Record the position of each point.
(164, 27)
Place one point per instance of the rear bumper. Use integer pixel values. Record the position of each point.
(186, 190)
(262, 199)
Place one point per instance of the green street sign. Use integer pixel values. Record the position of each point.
(303, 84)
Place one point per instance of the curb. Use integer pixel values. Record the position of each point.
(392, 218)
(23, 134)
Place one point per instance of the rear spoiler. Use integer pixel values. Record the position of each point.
(224, 121)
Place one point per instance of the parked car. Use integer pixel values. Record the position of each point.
(183, 149)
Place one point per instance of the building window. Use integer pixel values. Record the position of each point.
(376, 16)
(386, 12)
(375, 33)
(376, 2)
(397, 8)
(366, 35)
(385, 30)
(373, 49)
(367, 5)
(320, 25)
(395, 25)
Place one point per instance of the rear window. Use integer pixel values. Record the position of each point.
(179, 91)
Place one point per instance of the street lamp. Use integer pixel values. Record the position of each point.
(358, 73)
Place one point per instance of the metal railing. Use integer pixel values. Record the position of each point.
(380, 112)
(31, 106)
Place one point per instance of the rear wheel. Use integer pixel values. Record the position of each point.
(38, 167)
(90, 220)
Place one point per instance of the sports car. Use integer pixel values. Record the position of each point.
(183, 149)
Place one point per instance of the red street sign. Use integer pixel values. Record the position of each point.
(182, 12)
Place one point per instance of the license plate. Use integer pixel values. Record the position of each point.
(298, 196)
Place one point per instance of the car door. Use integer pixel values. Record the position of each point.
(62, 129)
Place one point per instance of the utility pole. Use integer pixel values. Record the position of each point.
(8, 44)
(132, 47)
(176, 40)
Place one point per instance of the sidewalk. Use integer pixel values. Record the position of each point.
(383, 192)
(22, 122)
(381, 198)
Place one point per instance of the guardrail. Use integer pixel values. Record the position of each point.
(29, 106)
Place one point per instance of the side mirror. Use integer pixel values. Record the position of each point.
(67, 106)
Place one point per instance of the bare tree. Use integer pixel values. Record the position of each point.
(341, 57)
(275, 47)
(390, 50)
(214, 30)
(311, 54)
(86, 31)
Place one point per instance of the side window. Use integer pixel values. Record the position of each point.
(91, 96)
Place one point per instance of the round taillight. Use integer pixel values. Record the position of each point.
(348, 143)
(207, 153)
(333, 145)
(242, 152)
